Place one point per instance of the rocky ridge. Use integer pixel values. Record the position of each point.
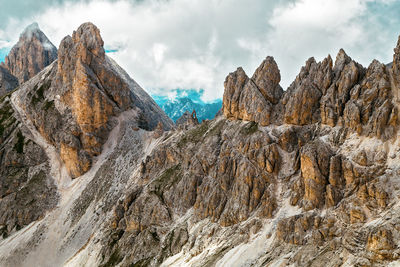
(303, 177)
(73, 101)
(30, 55)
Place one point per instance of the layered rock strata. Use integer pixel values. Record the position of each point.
(31, 54)
(73, 101)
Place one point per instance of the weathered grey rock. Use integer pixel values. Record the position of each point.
(253, 99)
(31, 54)
(8, 82)
(395, 66)
(187, 120)
(345, 74)
(27, 191)
(73, 101)
(267, 77)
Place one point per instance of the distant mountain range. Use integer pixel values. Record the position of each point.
(175, 108)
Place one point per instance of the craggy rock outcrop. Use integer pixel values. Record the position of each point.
(321, 90)
(8, 82)
(187, 120)
(395, 66)
(346, 74)
(72, 103)
(227, 185)
(340, 94)
(314, 162)
(302, 97)
(27, 190)
(253, 99)
(31, 54)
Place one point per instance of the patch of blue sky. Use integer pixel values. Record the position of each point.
(3, 53)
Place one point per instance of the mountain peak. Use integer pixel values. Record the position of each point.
(95, 90)
(267, 78)
(88, 37)
(31, 29)
(252, 98)
(31, 54)
(33, 33)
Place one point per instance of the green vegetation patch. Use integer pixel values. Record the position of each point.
(8, 94)
(249, 128)
(3, 231)
(114, 259)
(2, 129)
(6, 112)
(166, 180)
(217, 129)
(194, 135)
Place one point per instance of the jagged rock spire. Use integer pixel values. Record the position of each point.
(253, 99)
(267, 78)
(31, 54)
(343, 94)
(187, 120)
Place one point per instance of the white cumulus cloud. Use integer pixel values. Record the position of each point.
(170, 44)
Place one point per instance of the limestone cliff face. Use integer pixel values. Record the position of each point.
(72, 102)
(253, 99)
(8, 82)
(396, 64)
(92, 93)
(31, 54)
(340, 94)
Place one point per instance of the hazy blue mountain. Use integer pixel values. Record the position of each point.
(176, 107)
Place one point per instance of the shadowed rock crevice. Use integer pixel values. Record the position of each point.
(8, 82)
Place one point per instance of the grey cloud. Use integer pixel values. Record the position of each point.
(169, 44)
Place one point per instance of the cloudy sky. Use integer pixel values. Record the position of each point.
(170, 44)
